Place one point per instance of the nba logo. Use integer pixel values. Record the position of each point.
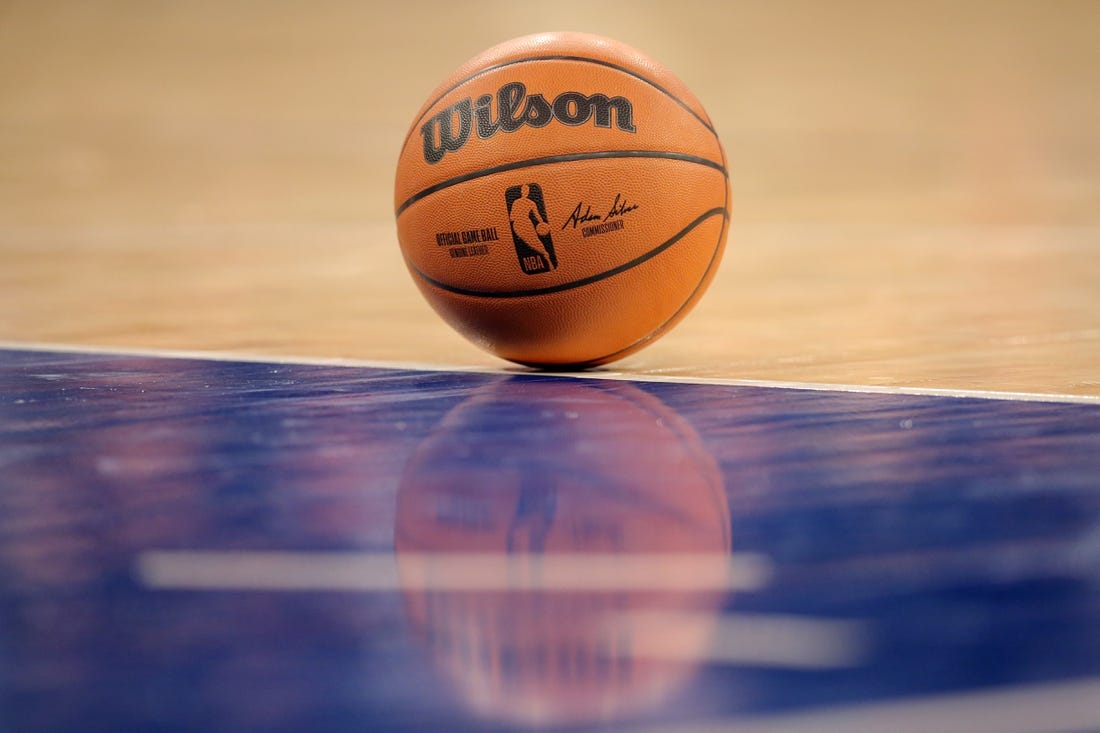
(530, 228)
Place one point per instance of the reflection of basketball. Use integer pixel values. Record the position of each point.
(507, 629)
(562, 200)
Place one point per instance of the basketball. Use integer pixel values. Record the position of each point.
(562, 200)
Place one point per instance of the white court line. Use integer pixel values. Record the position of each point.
(746, 639)
(757, 640)
(377, 572)
(1058, 707)
(223, 356)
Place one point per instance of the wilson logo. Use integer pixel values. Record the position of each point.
(449, 130)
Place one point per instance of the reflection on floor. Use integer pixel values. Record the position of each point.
(210, 545)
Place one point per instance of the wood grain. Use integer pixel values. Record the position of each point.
(916, 186)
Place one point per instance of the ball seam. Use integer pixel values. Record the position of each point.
(550, 289)
(553, 159)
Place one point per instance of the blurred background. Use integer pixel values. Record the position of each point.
(916, 186)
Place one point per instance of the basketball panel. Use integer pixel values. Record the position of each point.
(598, 215)
(541, 109)
(586, 45)
(595, 322)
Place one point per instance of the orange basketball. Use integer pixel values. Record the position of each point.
(562, 200)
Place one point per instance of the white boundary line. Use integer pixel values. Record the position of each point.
(661, 632)
(1054, 707)
(289, 572)
(224, 356)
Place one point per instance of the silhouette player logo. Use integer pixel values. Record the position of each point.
(530, 229)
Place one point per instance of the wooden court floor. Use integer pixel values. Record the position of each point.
(916, 186)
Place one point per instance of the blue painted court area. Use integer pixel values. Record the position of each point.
(191, 545)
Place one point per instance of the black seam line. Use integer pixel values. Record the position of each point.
(720, 210)
(550, 159)
(584, 59)
(664, 326)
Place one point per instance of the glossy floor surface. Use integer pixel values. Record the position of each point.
(195, 545)
(915, 186)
